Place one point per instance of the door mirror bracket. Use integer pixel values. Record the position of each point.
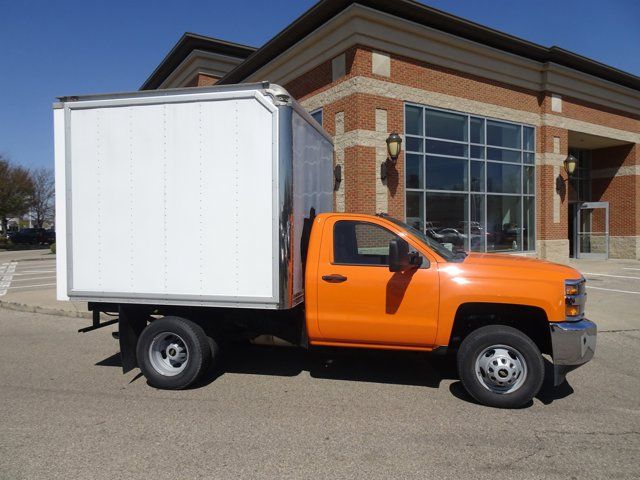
(416, 260)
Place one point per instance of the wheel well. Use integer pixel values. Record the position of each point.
(532, 321)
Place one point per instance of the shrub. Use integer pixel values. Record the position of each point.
(53, 248)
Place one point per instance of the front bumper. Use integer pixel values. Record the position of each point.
(573, 344)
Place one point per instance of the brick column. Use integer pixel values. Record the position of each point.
(552, 195)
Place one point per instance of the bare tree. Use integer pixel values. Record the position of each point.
(43, 195)
(16, 191)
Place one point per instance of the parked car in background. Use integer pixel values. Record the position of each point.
(32, 236)
(49, 236)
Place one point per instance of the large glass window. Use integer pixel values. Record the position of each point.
(470, 181)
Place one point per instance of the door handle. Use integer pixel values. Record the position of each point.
(335, 278)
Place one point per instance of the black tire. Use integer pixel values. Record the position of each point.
(188, 334)
(476, 344)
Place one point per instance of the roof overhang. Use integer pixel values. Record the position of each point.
(223, 55)
(329, 31)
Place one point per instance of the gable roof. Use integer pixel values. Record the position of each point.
(421, 14)
(188, 43)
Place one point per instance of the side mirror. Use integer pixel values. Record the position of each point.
(399, 258)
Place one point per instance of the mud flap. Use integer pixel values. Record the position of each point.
(131, 322)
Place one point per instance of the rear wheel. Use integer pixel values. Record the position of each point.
(500, 366)
(173, 353)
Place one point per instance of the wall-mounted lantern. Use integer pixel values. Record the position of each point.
(394, 146)
(570, 164)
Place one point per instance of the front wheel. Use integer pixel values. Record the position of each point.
(500, 366)
(173, 353)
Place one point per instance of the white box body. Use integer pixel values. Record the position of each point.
(187, 197)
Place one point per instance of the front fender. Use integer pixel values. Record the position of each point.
(461, 284)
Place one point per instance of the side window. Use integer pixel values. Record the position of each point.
(317, 115)
(360, 243)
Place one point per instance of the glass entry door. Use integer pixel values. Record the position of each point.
(592, 230)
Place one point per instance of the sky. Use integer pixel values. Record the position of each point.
(72, 47)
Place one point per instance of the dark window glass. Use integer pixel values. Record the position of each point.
(446, 148)
(528, 137)
(529, 158)
(415, 210)
(529, 223)
(477, 176)
(503, 155)
(361, 243)
(446, 173)
(477, 130)
(529, 180)
(414, 173)
(503, 178)
(476, 224)
(477, 152)
(414, 144)
(503, 223)
(446, 218)
(503, 134)
(413, 116)
(317, 116)
(446, 125)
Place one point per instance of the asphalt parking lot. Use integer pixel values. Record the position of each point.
(32, 274)
(66, 411)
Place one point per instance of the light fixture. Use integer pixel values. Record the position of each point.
(394, 145)
(570, 164)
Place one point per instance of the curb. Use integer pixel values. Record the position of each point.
(23, 307)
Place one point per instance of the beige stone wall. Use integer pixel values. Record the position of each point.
(624, 247)
(553, 250)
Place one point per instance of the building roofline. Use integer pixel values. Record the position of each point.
(187, 43)
(421, 14)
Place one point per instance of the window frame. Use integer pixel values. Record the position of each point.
(469, 191)
(361, 222)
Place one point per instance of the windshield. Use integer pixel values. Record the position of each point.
(444, 252)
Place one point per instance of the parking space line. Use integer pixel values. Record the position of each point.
(6, 275)
(613, 290)
(34, 273)
(33, 279)
(629, 268)
(33, 286)
(38, 267)
(612, 276)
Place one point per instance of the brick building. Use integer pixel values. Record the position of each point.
(487, 121)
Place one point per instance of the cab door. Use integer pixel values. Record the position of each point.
(361, 301)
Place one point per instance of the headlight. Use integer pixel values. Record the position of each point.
(575, 299)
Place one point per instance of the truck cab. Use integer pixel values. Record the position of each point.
(375, 282)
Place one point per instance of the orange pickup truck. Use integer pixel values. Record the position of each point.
(251, 173)
(375, 282)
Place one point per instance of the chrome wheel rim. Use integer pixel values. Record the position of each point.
(501, 369)
(168, 354)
